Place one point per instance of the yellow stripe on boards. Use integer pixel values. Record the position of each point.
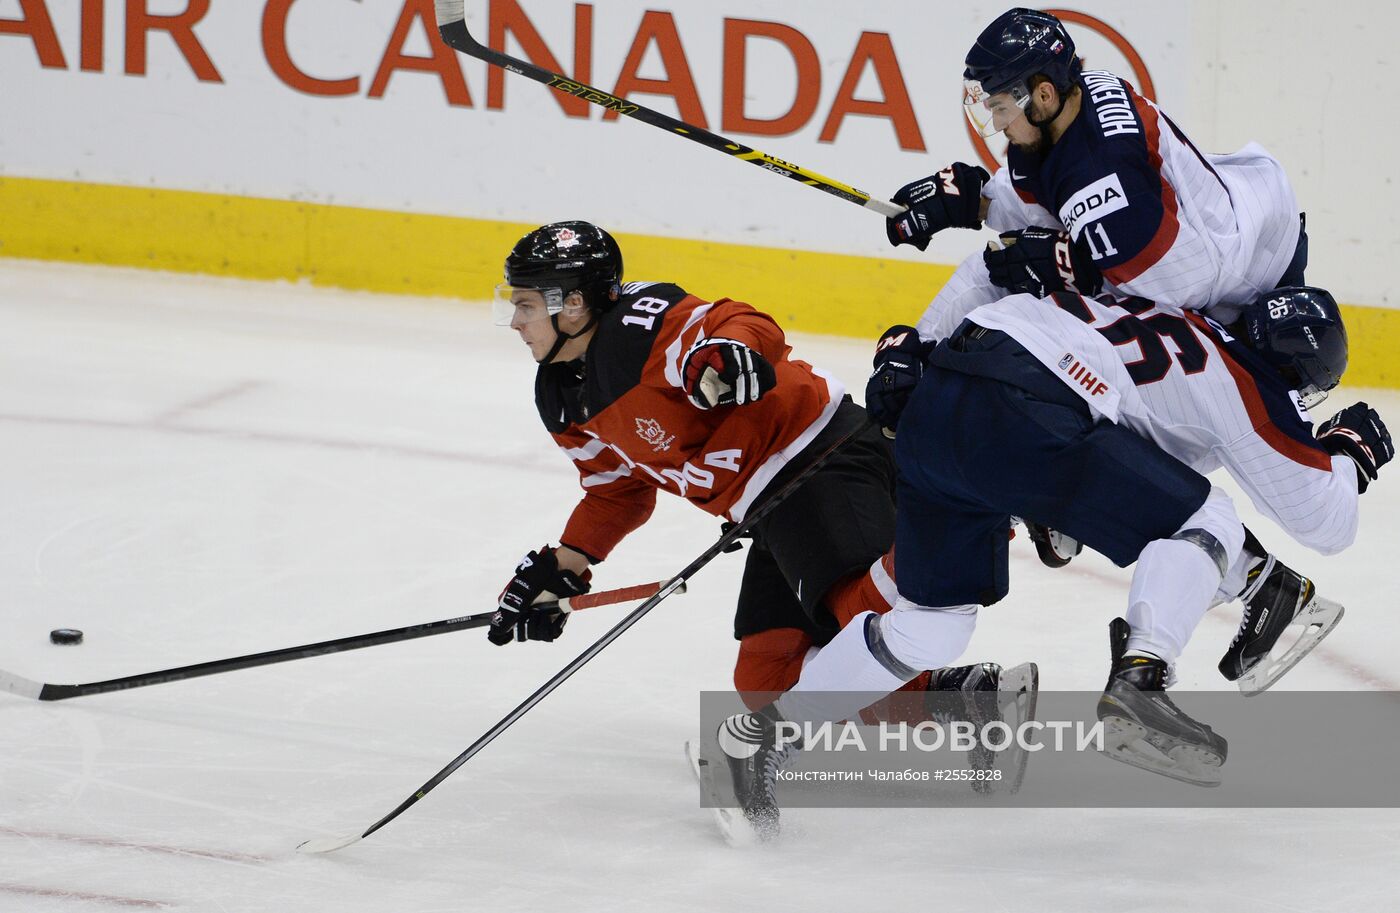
(811, 292)
(384, 251)
(406, 253)
(1373, 335)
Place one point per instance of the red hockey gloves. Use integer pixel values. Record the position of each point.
(538, 580)
(952, 198)
(899, 363)
(725, 372)
(1039, 261)
(1358, 432)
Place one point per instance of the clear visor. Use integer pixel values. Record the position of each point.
(991, 114)
(1312, 396)
(515, 306)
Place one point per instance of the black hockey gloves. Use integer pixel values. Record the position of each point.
(1039, 261)
(1358, 432)
(538, 580)
(899, 363)
(952, 198)
(725, 372)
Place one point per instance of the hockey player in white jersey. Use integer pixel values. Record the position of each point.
(1211, 400)
(1084, 415)
(1101, 190)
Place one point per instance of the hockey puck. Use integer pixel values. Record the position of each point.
(66, 636)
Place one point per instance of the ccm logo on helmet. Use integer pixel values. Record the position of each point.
(1100, 198)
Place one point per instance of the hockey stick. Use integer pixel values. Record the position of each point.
(329, 844)
(46, 692)
(452, 26)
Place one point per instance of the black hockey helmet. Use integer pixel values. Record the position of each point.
(568, 256)
(1018, 45)
(1299, 331)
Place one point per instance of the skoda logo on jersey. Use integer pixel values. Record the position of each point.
(650, 430)
(1100, 198)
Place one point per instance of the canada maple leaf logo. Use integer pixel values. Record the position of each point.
(650, 430)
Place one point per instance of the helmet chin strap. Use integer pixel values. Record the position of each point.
(561, 338)
(1046, 122)
(1043, 125)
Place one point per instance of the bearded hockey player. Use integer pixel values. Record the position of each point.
(1101, 190)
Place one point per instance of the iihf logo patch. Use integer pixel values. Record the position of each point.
(1066, 361)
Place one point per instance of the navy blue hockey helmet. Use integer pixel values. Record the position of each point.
(1299, 331)
(1018, 45)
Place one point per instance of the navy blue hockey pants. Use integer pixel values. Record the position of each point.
(991, 433)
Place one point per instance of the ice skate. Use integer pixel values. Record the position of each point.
(1275, 597)
(1142, 726)
(980, 694)
(749, 743)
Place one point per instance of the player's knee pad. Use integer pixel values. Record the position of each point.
(911, 637)
(769, 661)
(1215, 529)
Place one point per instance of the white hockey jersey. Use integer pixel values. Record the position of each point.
(1159, 218)
(1181, 381)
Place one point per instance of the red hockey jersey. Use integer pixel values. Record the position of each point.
(621, 414)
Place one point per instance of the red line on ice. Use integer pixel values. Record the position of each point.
(112, 842)
(32, 891)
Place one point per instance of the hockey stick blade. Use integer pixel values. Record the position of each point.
(41, 691)
(318, 845)
(736, 831)
(452, 27)
(21, 686)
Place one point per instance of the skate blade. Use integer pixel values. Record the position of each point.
(1129, 742)
(1317, 619)
(1018, 690)
(735, 829)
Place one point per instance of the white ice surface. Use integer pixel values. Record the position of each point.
(194, 468)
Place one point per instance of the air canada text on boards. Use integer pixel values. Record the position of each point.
(57, 36)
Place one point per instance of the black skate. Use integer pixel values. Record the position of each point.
(749, 743)
(1275, 597)
(980, 694)
(1142, 726)
(1054, 548)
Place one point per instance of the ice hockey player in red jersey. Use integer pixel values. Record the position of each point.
(647, 388)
